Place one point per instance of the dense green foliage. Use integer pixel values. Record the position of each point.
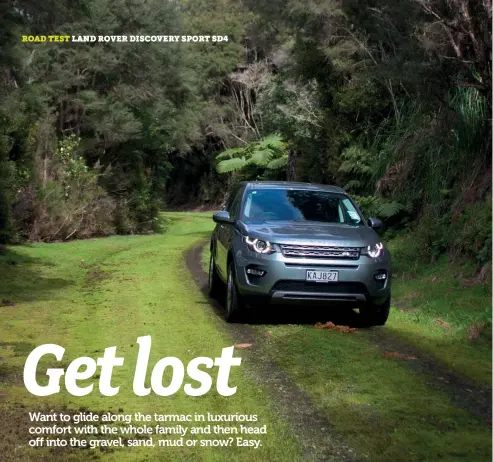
(127, 105)
(389, 99)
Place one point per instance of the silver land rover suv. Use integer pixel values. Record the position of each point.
(283, 242)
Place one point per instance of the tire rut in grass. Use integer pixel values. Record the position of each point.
(311, 428)
(462, 393)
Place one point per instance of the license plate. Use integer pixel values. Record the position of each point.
(322, 276)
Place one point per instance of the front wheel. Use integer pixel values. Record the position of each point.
(234, 301)
(375, 315)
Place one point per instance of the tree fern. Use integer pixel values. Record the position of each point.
(272, 142)
(269, 153)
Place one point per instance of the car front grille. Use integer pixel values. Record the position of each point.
(318, 287)
(318, 251)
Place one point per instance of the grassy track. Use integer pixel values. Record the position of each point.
(380, 406)
(89, 295)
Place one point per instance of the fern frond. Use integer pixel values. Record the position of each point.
(352, 184)
(280, 162)
(347, 167)
(389, 209)
(261, 157)
(231, 165)
(230, 153)
(272, 142)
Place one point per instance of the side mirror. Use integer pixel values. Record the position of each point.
(222, 217)
(375, 223)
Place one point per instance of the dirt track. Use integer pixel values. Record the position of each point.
(311, 428)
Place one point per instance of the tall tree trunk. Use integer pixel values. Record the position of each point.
(291, 168)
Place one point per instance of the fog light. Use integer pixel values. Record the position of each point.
(380, 276)
(255, 272)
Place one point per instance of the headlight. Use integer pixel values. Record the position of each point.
(259, 246)
(373, 251)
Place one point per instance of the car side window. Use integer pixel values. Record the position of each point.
(235, 206)
(341, 213)
(352, 212)
(231, 199)
(248, 205)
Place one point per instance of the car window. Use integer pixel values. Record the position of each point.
(248, 206)
(299, 205)
(235, 206)
(351, 211)
(231, 198)
(341, 213)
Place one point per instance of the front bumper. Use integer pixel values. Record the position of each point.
(284, 279)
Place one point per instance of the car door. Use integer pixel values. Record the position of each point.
(230, 230)
(224, 236)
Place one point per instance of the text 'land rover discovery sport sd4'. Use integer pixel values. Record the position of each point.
(282, 242)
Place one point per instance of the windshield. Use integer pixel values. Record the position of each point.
(299, 205)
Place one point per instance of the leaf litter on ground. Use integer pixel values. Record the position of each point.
(332, 326)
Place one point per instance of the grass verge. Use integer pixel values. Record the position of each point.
(444, 311)
(90, 295)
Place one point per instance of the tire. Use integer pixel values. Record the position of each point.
(234, 302)
(215, 285)
(375, 315)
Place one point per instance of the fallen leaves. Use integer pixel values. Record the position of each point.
(331, 325)
(396, 355)
(408, 310)
(243, 345)
(442, 323)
